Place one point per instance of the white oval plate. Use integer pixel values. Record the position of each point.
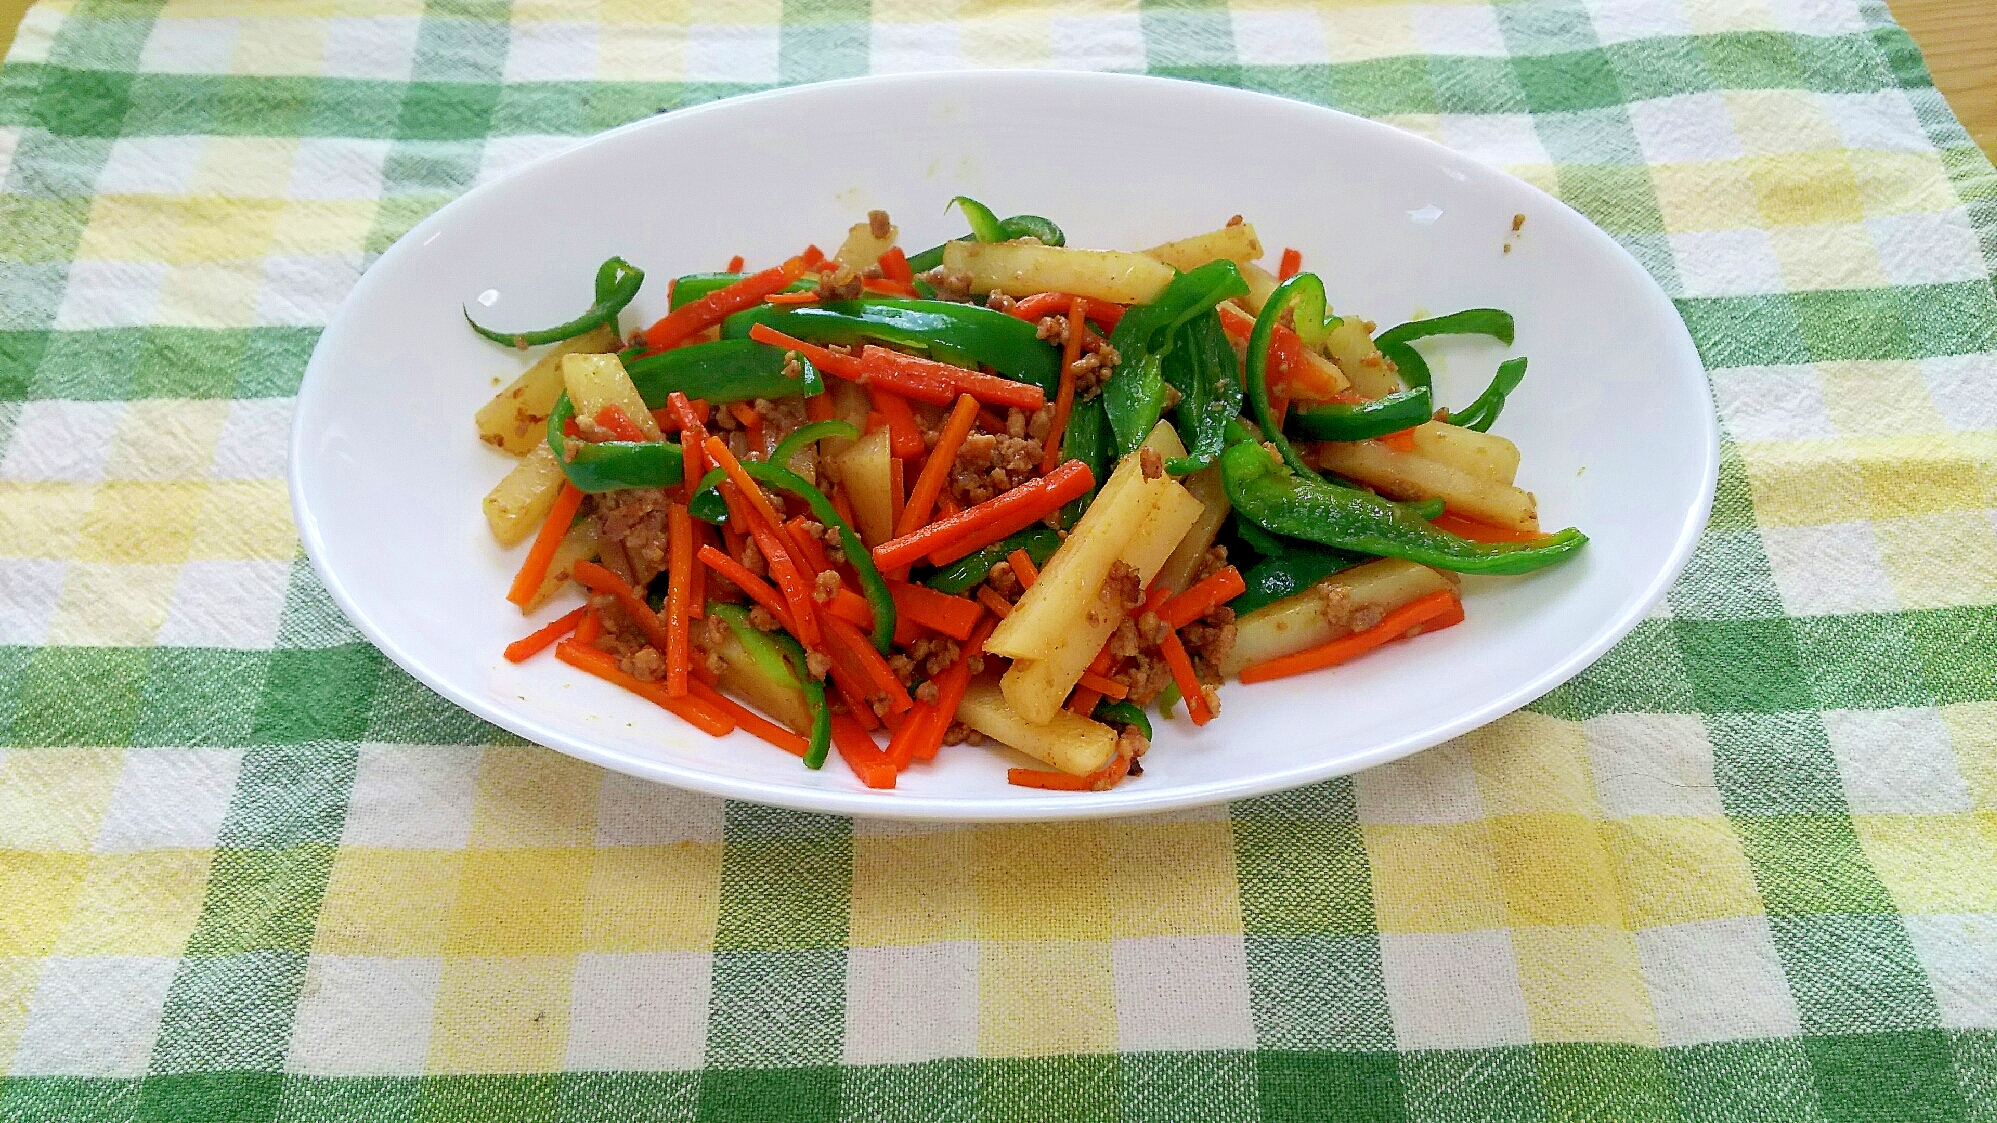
(1614, 420)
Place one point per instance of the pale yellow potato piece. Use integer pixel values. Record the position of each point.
(1205, 486)
(1070, 742)
(1066, 588)
(1235, 243)
(596, 381)
(867, 477)
(1038, 687)
(1347, 601)
(741, 676)
(1261, 283)
(1024, 268)
(1482, 455)
(579, 544)
(1350, 345)
(862, 249)
(1405, 475)
(516, 505)
(516, 419)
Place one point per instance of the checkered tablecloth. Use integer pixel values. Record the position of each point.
(1745, 868)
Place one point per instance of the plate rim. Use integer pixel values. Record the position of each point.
(868, 803)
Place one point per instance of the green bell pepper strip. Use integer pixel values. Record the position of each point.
(1088, 440)
(728, 370)
(1167, 698)
(985, 225)
(1395, 343)
(1123, 713)
(708, 506)
(807, 433)
(1363, 420)
(963, 334)
(778, 655)
(1207, 375)
(987, 228)
(1307, 292)
(1297, 568)
(1305, 505)
(617, 282)
(1134, 396)
(967, 572)
(610, 465)
(1480, 414)
(1035, 227)
(693, 286)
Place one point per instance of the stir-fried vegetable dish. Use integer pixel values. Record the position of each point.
(1002, 490)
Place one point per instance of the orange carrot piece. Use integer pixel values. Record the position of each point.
(950, 688)
(790, 580)
(1043, 304)
(953, 616)
(1463, 526)
(861, 754)
(1182, 673)
(882, 364)
(879, 674)
(1101, 780)
(842, 505)
(1023, 567)
(1202, 598)
(603, 665)
(1288, 371)
(697, 587)
(749, 721)
(990, 598)
(827, 360)
(936, 471)
(1082, 702)
(851, 680)
(974, 528)
(758, 502)
(808, 296)
(1107, 687)
(590, 628)
(851, 607)
(1064, 395)
(694, 317)
(535, 569)
(758, 589)
(904, 436)
(886, 287)
(1402, 441)
(598, 579)
(818, 407)
(991, 422)
(808, 544)
(894, 266)
(527, 646)
(1429, 612)
(735, 264)
(1293, 263)
(693, 432)
(679, 594)
(619, 424)
(914, 728)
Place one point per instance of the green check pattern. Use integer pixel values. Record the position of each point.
(1743, 868)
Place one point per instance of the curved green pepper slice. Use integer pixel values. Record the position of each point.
(1480, 414)
(1396, 344)
(1305, 505)
(610, 465)
(617, 282)
(1306, 292)
(807, 433)
(1339, 421)
(987, 227)
(1134, 396)
(727, 370)
(778, 654)
(1123, 713)
(967, 572)
(707, 504)
(963, 334)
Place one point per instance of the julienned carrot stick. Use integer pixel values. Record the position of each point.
(860, 753)
(886, 287)
(818, 407)
(1182, 674)
(1023, 568)
(882, 364)
(619, 424)
(879, 675)
(735, 263)
(851, 607)
(808, 544)
(953, 616)
(695, 316)
(1107, 687)
(595, 577)
(1463, 526)
(693, 432)
(936, 473)
(946, 540)
(894, 266)
(752, 425)
(825, 359)
(679, 598)
(1042, 304)
(1288, 369)
(950, 687)
(590, 628)
(914, 728)
(1437, 610)
(882, 367)
(808, 296)
(1202, 598)
(1082, 702)
(535, 569)
(749, 720)
(534, 643)
(758, 589)
(1400, 441)
(851, 680)
(897, 491)
(1000, 607)
(1292, 263)
(1064, 396)
(697, 589)
(1098, 781)
(758, 502)
(795, 586)
(603, 665)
